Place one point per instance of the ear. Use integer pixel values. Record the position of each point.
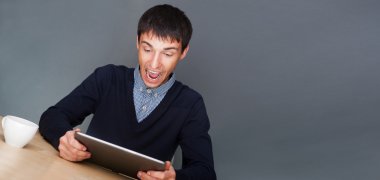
(137, 42)
(183, 55)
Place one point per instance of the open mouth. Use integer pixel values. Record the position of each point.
(153, 75)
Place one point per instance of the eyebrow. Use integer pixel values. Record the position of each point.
(168, 48)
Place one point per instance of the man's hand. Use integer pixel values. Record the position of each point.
(70, 149)
(168, 174)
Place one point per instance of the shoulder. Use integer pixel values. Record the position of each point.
(110, 75)
(112, 72)
(111, 68)
(190, 92)
(187, 95)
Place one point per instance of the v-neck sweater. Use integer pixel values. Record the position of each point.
(179, 119)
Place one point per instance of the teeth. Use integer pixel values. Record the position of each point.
(153, 73)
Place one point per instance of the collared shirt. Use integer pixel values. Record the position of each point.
(147, 99)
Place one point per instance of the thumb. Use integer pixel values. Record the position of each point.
(167, 165)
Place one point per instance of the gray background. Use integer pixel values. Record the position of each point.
(292, 87)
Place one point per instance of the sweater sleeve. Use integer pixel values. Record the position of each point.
(195, 142)
(72, 109)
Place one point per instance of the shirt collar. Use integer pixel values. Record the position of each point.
(139, 83)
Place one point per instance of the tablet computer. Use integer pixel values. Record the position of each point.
(117, 158)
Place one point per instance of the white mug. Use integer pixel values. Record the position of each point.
(18, 131)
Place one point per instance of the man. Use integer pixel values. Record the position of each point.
(144, 109)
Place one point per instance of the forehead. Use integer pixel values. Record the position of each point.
(154, 40)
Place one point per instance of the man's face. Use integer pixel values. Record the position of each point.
(157, 58)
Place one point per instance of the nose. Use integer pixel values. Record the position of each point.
(155, 63)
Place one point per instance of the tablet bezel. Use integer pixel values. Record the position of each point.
(116, 158)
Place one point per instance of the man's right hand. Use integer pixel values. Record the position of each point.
(70, 149)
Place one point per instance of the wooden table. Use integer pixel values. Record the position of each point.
(39, 160)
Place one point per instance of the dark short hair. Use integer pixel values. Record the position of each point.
(166, 22)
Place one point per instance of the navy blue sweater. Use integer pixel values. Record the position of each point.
(180, 119)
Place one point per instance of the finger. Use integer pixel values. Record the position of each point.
(157, 174)
(73, 154)
(163, 174)
(71, 141)
(81, 155)
(63, 143)
(78, 150)
(63, 152)
(76, 144)
(70, 149)
(168, 165)
(145, 176)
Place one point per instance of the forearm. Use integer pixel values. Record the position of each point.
(70, 111)
(54, 124)
(195, 142)
(196, 173)
(197, 159)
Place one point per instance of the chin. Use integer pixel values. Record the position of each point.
(152, 85)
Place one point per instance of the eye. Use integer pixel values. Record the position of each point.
(146, 50)
(168, 54)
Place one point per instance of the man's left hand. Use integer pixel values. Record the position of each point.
(167, 174)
